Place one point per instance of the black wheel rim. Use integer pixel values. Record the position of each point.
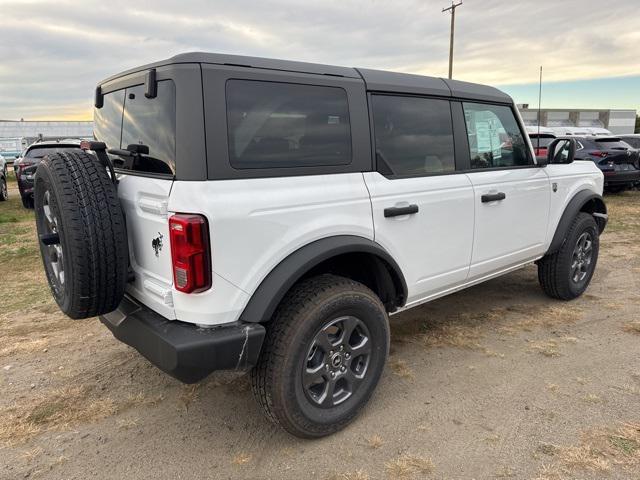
(582, 258)
(337, 361)
(53, 253)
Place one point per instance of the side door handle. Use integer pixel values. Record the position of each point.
(397, 211)
(492, 197)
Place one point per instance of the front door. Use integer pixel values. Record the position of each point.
(422, 209)
(511, 193)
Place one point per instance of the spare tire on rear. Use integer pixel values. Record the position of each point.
(82, 233)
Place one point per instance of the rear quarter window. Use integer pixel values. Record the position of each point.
(273, 124)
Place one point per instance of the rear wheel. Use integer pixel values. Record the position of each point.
(83, 241)
(27, 201)
(323, 356)
(567, 273)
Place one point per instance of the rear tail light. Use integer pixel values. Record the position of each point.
(598, 153)
(189, 235)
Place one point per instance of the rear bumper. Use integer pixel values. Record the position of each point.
(183, 350)
(622, 178)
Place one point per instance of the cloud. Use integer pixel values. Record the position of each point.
(54, 53)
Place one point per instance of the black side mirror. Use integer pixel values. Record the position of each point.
(561, 151)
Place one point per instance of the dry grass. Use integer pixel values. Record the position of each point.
(505, 472)
(56, 409)
(23, 346)
(624, 212)
(593, 398)
(408, 465)
(601, 451)
(375, 441)
(241, 458)
(533, 317)
(400, 368)
(189, 394)
(357, 475)
(632, 327)
(548, 348)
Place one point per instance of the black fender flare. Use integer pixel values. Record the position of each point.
(282, 277)
(583, 201)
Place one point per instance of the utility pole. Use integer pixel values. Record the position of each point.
(452, 8)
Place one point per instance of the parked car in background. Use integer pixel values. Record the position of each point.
(25, 166)
(10, 148)
(618, 160)
(4, 192)
(540, 142)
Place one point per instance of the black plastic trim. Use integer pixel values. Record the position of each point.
(183, 350)
(277, 283)
(574, 207)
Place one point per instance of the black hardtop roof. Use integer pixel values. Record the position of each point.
(375, 80)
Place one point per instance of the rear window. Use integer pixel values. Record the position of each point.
(272, 124)
(107, 121)
(634, 142)
(612, 143)
(151, 122)
(40, 152)
(128, 117)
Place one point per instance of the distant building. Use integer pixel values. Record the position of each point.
(31, 130)
(616, 121)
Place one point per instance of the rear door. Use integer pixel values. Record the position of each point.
(130, 115)
(422, 208)
(512, 194)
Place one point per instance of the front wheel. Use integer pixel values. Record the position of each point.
(567, 273)
(323, 356)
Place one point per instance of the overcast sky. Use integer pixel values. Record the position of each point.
(54, 52)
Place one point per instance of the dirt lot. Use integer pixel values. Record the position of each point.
(493, 382)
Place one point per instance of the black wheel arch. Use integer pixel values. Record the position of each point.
(584, 201)
(348, 255)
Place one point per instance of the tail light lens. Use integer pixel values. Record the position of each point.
(190, 255)
(598, 153)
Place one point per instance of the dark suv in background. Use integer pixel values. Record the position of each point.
(619, 161)
(25, 166)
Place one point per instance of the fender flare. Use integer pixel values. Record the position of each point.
(282, 277)
(584, 200)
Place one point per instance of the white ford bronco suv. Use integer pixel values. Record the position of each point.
(237, 213)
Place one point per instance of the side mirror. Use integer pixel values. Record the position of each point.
(561, 151)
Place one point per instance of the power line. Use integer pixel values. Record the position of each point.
(452, 8)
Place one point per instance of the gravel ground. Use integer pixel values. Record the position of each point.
(496, 381)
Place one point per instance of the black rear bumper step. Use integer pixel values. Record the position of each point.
(183, 350)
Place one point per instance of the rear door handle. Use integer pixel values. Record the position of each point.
(493, 197)
(397, 211)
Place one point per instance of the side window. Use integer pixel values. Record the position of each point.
(107, 121)
(495, 139)
(151, 122)
(414, 136)
(273, 124)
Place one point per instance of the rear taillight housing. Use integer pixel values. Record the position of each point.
(598, 153)
(190, 253)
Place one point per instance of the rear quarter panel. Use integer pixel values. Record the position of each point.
(256, 223)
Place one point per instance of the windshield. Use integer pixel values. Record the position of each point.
(39, 152)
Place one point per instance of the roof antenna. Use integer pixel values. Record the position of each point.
(539, 103)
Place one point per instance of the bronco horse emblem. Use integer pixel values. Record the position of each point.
(156, 243)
